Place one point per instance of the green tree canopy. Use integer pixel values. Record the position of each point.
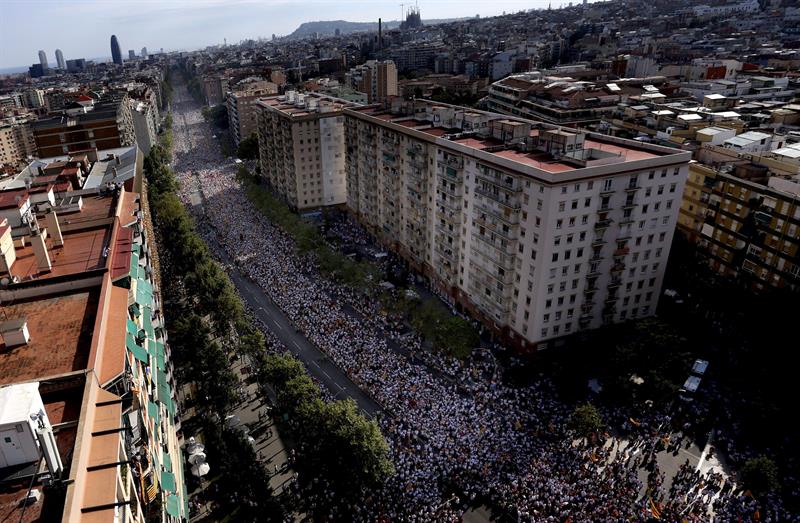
(586, 420)
(248, 148)
(760, 475)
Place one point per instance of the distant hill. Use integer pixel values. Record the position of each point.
(329, 27)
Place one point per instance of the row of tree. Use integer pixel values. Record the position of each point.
(200, 311)
(336, 442)
(443, 330)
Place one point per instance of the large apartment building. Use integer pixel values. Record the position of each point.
(88, 417)
(16, 139)
(86, 124)
(241, 104)
(377, 79)
(301, 148)
(745, 221)
(539, 231)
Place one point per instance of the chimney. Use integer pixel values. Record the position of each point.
(53, 228)
(40, 251)
(116, 158)
(8, 254)
(15, 332)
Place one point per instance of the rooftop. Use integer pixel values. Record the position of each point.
(82, 251)
(60, 328)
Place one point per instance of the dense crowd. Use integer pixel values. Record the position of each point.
(457, 435)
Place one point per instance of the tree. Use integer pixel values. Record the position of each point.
(586, 420)
(344, 449)
(760, 475)
(248, 148)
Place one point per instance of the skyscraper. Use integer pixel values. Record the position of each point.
(60, 59)
(116, 54)
(43, 60)
(131, 54)
(144, 52)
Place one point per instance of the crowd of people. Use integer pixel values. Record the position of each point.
(457, 434)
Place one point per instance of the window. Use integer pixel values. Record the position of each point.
(672, 187)
(546, 318)
(539, 205)
(555, 256)
(574, 204)
(564, 190)
(561, 206)
(587, 202)
(650, 175)
(557, 241)
(577, 187)
(607, 184)
(559, 223)
(572, 221)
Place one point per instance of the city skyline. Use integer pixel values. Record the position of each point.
(200, 23)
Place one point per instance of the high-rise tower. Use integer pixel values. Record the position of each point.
(116, 54)
(60, 60)
(43, 60)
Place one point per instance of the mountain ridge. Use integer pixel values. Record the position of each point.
(328, 27)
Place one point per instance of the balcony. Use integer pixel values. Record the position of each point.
(597, 241)
(514, 205)
(506, 185)
(618, 267)
(632, 187)
(450, 174)
(614, 283)
(602, 224)
(447, 254)
(622, 251)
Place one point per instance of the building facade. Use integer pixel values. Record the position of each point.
(83, 340)
(302, 150)
(241, 105)
(107, 125)
(378, 79)
(745, 223)
(16, 140)
(538, 231)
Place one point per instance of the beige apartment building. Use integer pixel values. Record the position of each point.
(89, 418)
(744, 220)
(537, 230)
(302, 150)
(241, 104)
(16, 140)
(378, 79)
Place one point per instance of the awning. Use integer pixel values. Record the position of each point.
(135, 269)
(173, 506)
(144, 292)
(167, 461)
(168, 481)
(152, 410)
(138, 352)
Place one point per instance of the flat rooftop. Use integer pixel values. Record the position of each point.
(82, 251)
(291, 109)
(537, 159)
(60, 328)
(63, 405)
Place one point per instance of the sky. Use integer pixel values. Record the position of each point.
(83, 28)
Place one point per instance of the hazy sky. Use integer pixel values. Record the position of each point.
(83, 28)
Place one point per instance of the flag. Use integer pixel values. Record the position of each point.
(654, 509)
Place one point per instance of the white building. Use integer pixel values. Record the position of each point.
(752, 142)
(539, 231)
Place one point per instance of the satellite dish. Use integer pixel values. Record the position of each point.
(200, 469)
(197, 458)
